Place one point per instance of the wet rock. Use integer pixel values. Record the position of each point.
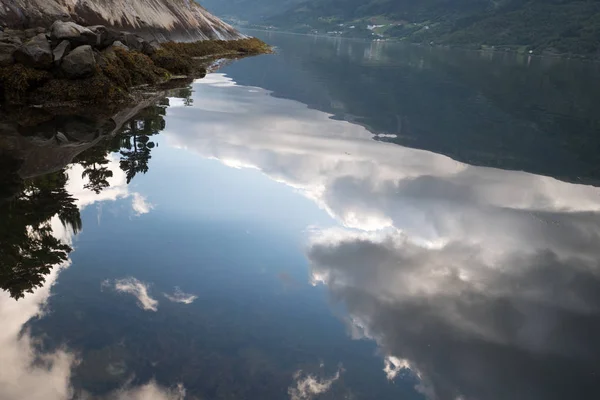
(7, 54)
(35, 53)
(61, 51)
(79, 63)
(74, 33)
(134, 42)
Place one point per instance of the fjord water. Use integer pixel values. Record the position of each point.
(339, 220)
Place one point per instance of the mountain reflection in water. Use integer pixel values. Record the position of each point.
(300, 259)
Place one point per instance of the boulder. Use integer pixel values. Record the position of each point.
(36, 53)
(133, 41)
(105, 36)
(7, 54)
(74, 33)
(149, 48)
(61, 51)
(79, 63)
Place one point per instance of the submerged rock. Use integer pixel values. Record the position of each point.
(36, 53)
(79, 63)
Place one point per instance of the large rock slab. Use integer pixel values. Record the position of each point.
(35, 53)
(76, 34)
(79, 63)
(158, 19)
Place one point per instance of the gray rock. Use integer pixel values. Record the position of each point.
(36, 53)
(149, 48)
(105, 36)
(79, 63)
(7, 54)
(134, 42)
(74, 33)
(61, 51)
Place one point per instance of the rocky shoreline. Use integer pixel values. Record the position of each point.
(69, 65)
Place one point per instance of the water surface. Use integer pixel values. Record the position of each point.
(340, 220)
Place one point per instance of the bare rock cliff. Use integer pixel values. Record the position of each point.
(160, 19)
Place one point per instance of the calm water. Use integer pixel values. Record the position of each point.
(341, 220)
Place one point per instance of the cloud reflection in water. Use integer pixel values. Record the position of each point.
(483, 282)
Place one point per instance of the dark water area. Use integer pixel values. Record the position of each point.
(339, 220)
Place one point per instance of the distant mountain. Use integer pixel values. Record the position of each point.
(550, 26)
(170, 18)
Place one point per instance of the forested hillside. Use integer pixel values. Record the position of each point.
(541, 26)
(556, 26)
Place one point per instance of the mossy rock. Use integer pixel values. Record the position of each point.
(17, 80)
(96, 90)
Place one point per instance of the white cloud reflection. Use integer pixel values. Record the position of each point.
(180, 297)
(118, 188)
(22, 376)
(27, 373)
(139, 290)
(140, 204)
(308, 386)
(483, 282)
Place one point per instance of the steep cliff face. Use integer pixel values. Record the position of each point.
(162, 19)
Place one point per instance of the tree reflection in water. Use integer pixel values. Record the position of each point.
(29, 248)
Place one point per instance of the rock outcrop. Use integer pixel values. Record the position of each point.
(67, 45)
(155, 19)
